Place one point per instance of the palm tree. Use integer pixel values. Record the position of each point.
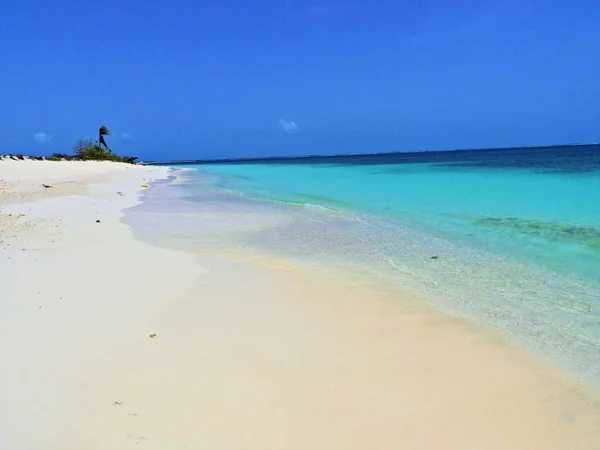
(103, 131)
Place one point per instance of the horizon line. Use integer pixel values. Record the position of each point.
(337, 155)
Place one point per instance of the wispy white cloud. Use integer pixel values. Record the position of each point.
(288, 125)
(126, 135)
(42, 138)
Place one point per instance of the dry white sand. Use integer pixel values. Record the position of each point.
(244, 356)
(22, 181)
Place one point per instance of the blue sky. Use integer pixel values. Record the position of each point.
(228, 78)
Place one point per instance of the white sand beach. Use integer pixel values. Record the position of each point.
(108, 343)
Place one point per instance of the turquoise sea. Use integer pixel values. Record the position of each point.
(508, 238)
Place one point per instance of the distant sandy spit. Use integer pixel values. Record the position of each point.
(108, 343)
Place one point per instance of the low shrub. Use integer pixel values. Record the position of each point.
(90, 151)
(87, 150)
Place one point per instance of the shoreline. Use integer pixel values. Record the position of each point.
(532, 306)
(243, 356)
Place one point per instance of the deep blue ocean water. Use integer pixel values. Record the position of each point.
(507, 238)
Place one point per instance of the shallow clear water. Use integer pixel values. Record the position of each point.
(507, 238)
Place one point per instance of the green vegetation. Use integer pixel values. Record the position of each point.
(87, 150)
